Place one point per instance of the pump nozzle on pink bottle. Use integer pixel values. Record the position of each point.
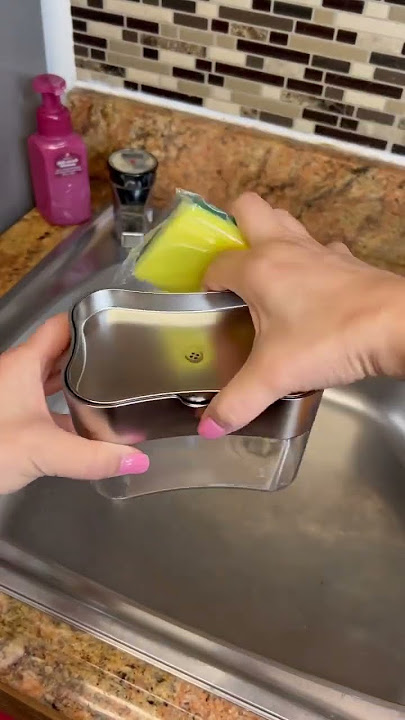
(58, 158)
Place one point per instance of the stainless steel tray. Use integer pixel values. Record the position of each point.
(142, 368)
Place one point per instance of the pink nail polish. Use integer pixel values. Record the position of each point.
(134, 464)
(209, 429)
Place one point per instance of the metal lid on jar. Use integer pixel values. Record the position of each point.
(130, 163)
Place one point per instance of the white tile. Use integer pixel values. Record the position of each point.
(376, 9)
(232, 57)
(350, 21)
(144, 12)
(220, 93)
(168, 83)
(304, 126)
(362, 70)
(83, 74)
(379, 43)
(284, 68)
(142, 76)
(367, 100)
(176, 58)
(104, 30)
(271, 91)
(220, 106)
(206, 9)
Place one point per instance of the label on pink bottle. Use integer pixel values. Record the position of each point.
(68, 164)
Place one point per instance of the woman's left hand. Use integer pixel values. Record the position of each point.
(36, 442)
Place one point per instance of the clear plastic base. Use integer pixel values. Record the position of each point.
(191, 462)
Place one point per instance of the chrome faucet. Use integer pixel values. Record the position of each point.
(132, 175)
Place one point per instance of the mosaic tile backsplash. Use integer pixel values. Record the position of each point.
(335, 68)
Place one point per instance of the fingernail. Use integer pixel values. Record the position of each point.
(134, 464)
(209, 429)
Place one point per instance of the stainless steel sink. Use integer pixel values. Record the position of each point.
(291, 604)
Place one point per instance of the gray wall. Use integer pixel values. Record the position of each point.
(22, 56)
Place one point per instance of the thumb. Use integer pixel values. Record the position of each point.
(245, 397)
(67, 455)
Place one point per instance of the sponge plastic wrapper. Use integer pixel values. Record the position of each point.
(177, 253)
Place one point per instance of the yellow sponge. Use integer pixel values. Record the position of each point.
(178, 254)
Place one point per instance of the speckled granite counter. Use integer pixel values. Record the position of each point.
(50, 666)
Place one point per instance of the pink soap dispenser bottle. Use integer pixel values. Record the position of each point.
(58, 159)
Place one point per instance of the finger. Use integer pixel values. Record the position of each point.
(225, 272)
(53, 384)
(50, 341)
(339, 247)
(247, 395)
(67, 455)
(260, 223)
(63, 421)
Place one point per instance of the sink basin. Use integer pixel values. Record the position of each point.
(290, 604)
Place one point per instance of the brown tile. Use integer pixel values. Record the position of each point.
(190, 20)
(364, 85)
(185, 74)
(278, 38)
(321, 31)
(390, 76)
(276, 119)
(276, 52)
(354, 6)
(254, 62)
(172, 95)
(150, 53)
(79, 25)
(81, 51)
(320, 117)
(340, 66)
(255, 75)
(292, 10)
(255, 18)
(97, 15)
(314, 75)
(250, 32)
(216, 80)
(263, 5)
(220, 26)
(97, 54)
(348, 123)
(346, 36)
(180, 5)
(375, 116)
(350, 137)
(388, 61)
(144, 25)
(84, 39)
(203, 65)
(334, 93)
(304, 86)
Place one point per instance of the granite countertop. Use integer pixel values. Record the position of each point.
(44, 662)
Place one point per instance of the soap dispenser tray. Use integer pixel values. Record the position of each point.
(142, 368)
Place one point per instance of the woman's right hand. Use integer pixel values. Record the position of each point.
(322, 318)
